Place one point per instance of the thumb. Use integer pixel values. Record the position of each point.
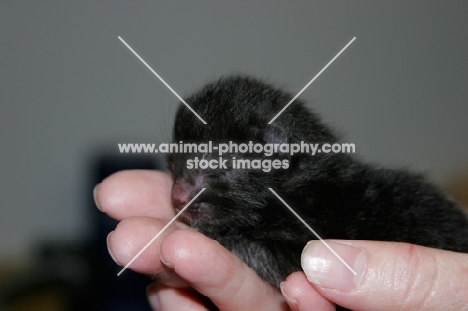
(389, 275)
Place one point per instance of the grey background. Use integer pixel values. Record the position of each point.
(70, 89)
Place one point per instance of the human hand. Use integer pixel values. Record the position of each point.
(390, 276)
(394, 276)
(185, 264)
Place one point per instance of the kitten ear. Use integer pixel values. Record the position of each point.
(273, 134)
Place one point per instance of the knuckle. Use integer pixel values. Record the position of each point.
(414, 277)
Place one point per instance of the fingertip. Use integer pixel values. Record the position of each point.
(292, 303)
(137, 234)
(108, 194)
(95, 191)
(289, 289)
(301, 295)
(121, 242)
(153, 297)
(109, 247)
(182, 248)
(135, 193)
(341, 269)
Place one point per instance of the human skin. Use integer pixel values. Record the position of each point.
(187, 265)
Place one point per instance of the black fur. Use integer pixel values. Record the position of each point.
(337, 195)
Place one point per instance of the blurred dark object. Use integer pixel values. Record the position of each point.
(458, 188)
(81, 275)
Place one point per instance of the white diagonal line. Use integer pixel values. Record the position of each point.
(160, 232)
(313, 79)
(313, 231)
(159, 77)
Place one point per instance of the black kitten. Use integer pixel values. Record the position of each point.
(336, 195)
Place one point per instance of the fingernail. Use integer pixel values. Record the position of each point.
(108, 248)
(289, 300)
(94, 196)
(323, 268)
(152, 295)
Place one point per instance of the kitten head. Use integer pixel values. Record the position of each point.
(238, 109)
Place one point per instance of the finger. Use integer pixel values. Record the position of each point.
(164, 298)
(135, 193)
(301, 295)
(216, 273)
(390, 276)
(131, 236)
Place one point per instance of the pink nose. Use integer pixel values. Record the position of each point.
(179, 203)
(181, 191)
